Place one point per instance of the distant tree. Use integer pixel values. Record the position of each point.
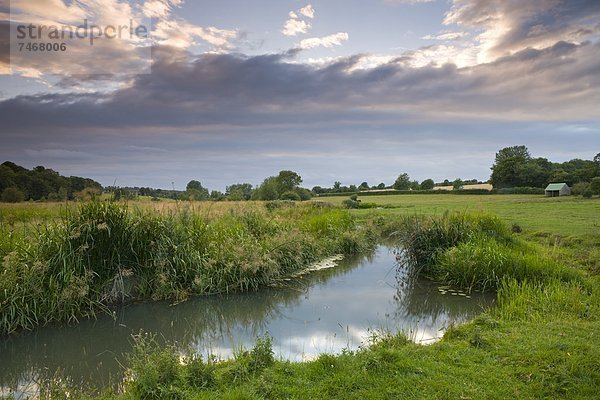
(402, 182)
(195, 191)
(427, 184)
(193, 184)
(352, 188)
(414, 185)
(304, 194)
(337, 186)
(457, 184)
(268, 190)
(7, 177)
(288, 180)
(216, 195)
(509, 164)
(290, 195)
(318, 190)
(520, 152)
(580, 188)
(239, 191)
(381, 186)
(274, 187)
(12, 195)
(363, 186)
(446, 182)
(595, 185)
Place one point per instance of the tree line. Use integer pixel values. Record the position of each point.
(18, 184)
(515, 167)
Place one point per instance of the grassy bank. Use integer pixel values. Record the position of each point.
(539, 341)
(105, 253)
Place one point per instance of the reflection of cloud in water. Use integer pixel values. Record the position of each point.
(327, 311)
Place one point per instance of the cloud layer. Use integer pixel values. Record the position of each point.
(502, 73)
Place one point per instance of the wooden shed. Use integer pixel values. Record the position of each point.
(558, 189)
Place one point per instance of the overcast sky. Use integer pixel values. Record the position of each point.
(352, 90)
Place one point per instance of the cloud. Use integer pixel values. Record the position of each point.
(507, 27)
(293, 27)
(226, 90)
(307, 11)
(327, 41)
(182, 34)
(113, 60)
(407, 2)
(446, 36)
(296, 24)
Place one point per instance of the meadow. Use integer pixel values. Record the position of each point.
(541, 257)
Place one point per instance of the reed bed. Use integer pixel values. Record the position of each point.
(106, 253)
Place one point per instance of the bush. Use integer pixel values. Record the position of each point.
(580, 188)
(12, 195)
(290, 195)
(587, 193)
(520, 190)
(595, 185)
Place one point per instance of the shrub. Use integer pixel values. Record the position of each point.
(290, 195)
(12, 195)
(580, 188)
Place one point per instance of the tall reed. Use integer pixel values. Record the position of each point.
(105, 253)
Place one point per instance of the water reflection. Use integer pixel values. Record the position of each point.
(326, 311)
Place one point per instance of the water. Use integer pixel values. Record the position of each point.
(323, 312)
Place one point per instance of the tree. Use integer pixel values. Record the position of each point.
(336, 186)
(457, 184)
(195, 191)
(268, 190)
(427, 184)
(506, 153)
(290, 195)
(288, 180)
(595, 185)
(509, 164)
(193, 184)
(580, 188)
(239, 191)
(216, 195)
(363, 186)
(12, 195)
(402, 182)
(381, 186)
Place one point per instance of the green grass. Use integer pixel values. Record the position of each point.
(539, 342)
(564, 216)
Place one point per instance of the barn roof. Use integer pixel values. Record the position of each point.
(556, 186)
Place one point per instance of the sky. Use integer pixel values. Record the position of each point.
(234, 91)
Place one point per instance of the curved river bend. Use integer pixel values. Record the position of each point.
(323, 312)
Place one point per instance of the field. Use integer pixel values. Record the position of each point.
(541, 256)
(564, 216)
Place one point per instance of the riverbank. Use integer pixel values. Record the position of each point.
(539, 341)
(104, 253)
